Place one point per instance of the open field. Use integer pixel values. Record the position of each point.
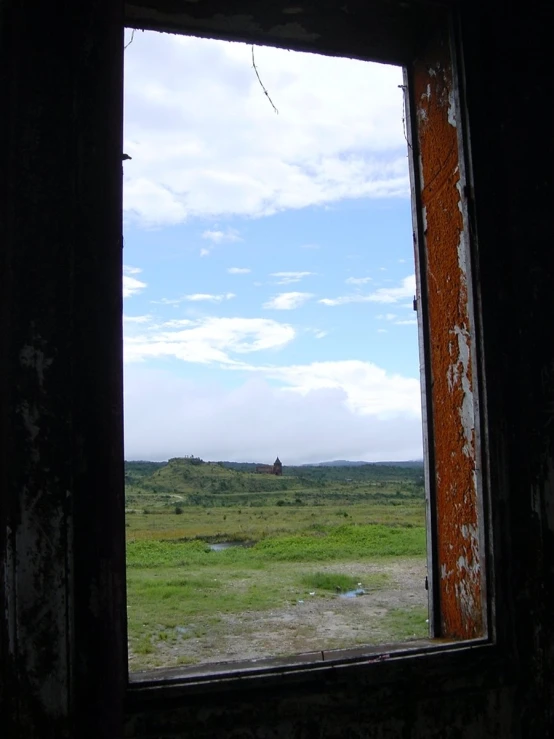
(225, 564)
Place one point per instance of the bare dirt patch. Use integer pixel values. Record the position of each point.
(393, 612)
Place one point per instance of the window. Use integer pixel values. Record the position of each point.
(450, 370)
(65, 340)
(307, 349)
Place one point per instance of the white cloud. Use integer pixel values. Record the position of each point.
(195, 298)
(198, 297)
(393, 294)
(239, 270)
(393, 318)
(131, 286)
(137, 319)
(344, 299)
(207, 143)
(358, 280)
(168, 301)
(218, 237)
(252, 422)
(208, 340)
(287, 278)
(382, 295)
(149, 202)
(287, 301)
(176, 323)
(368, 389)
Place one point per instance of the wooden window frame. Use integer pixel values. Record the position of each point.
(73, 474)
(438, 150)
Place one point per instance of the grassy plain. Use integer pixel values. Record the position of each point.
(294, 545)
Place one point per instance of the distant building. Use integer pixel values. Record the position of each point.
(270, 469)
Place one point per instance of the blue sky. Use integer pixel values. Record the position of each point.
(269, 271)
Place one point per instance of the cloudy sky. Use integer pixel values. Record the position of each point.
(269, 271)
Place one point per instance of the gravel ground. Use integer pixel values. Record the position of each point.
(312, 625)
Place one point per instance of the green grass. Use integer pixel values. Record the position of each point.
(407, 623)
(339, 582)
(187, 482)
(310, 533)
(333, 543)
(344, 542)
(224, 523)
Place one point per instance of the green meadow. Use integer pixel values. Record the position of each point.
(215, 550)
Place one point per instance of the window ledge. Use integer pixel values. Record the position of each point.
(308, 667)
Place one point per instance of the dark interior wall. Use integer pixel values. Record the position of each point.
(507, 58)
(60, 388)
(60, 425)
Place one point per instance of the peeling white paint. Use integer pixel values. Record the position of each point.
(30, 416)
(469, 531)
(464, 596)
(31, 357)
(452, 108)
(421, 108)
(459, 371)
(38, 543)
(458, 375)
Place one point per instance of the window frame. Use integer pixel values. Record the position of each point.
(438, 51)
(61, 450)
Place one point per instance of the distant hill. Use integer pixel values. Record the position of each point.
(193, 476)
(138, 470)
(142, 468)
(335, 463)
(251, 466)
(342, 470)
(191, 481)
(409, 463)
(346, 463)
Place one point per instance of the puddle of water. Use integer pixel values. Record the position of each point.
(352, 593)
(221, 545)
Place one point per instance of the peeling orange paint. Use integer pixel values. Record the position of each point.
(457, 542)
